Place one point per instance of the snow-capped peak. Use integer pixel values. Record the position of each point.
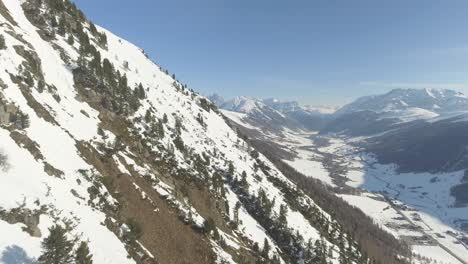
(434, 100)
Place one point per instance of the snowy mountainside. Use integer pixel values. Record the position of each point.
(272, 115)
(253, 112)
(98, 139)
(293, 106)
(397, 109)
(435, 100)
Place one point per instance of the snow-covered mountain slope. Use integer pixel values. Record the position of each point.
(396, 109)
(380, 113)
(241, 104)
(294, 106)
(434, 100)
(98, 139)
(252, 112)
(272, 115)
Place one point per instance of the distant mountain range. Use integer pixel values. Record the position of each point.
(398, 100)
(419, 129)
(365, 116)
(273, 114)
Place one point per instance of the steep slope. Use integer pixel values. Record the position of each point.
(379, 113)
(98, 139)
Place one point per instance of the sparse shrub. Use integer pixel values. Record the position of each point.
(135, 230)
(209, 225)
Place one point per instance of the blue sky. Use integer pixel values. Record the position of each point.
(319, 52)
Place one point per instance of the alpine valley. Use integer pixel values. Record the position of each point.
(400, 157)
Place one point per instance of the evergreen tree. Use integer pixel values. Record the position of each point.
(40, 86)
(309, 256)
(82, 254)
(56, 248)
(96, 63)
(148, 116)
(103, 39)
(2, 42)
(100, 132)
(231, 169)
(160, 129)
(25, 122)
(266, 248)
(93, 29)
(254, 154)
(282, 218)
(123, 84)
(28, 79)
(243, 182)
(141, 92)
(61, 26)
(236, 212)
(107, 69)
(71, 39)
(53, 22)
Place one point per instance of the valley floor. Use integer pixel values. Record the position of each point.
(416, 207)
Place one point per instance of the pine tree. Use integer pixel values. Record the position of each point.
(243, 182)
(28, 79)
(148, 117)
(53, 22)
(103, 39)
(61, 26)
(160, 129)
(141, 92)
(40, 86)
(282, 218)
(266, 249)
(231, 169)
(236, 212)
(107, 69)
(25, 122)
(96, 63)
(57, 249)
(309, 256)
(100, 132)
(71, 39)
(93, 29)
(82, 254)
(2, 42)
